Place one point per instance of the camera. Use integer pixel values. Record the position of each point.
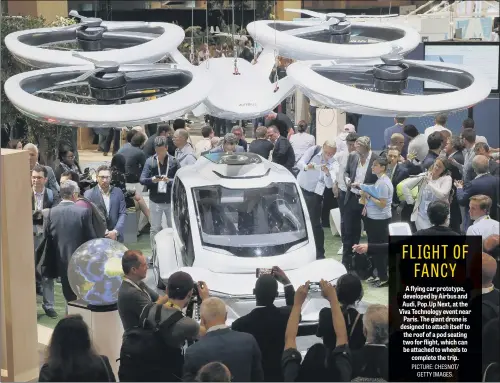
(193, 307)
(37, 217)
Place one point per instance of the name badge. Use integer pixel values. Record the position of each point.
(162, 187)
(320, 188)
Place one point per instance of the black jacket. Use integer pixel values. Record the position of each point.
(261, 147)
(437, 231)
(239, 351)
(268, 326)
(283, 153)
(350, 170)
(487, 185)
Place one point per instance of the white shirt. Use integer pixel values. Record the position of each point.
(39, 199)
(435, 128)
(105, 197)
(218, 327)
(202, 146)
(340, 141)
(341, 158)
(300, 143)
(484, 226)
(361, 172)
(419, 147)
(308, 179)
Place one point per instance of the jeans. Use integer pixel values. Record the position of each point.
(156, 211)
(46, 284)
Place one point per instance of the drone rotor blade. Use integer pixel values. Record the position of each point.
(323, 27)
(80, 56)
(81, 78)
(321, 16)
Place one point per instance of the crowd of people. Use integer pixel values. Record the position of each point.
(438, 182)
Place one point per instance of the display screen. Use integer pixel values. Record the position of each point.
(482, 56)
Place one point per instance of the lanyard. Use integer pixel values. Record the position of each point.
(137, 287)
(158, 164)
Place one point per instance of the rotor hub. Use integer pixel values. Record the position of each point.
(108, 87)
(89, 38)
(391, 76)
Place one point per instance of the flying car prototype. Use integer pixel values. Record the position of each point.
(234, 214)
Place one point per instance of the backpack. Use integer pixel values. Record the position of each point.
(143, 346)
(296, 170)
(99, 221)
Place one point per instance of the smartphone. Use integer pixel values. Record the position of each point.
(259, 272)
(314, 286)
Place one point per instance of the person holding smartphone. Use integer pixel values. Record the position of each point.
(158, 173)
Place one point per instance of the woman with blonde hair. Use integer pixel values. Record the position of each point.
(433, 185)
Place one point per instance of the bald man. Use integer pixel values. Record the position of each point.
(490, 295)
(238, 351)
(184, 153)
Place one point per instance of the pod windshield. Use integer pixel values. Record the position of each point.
(254, 222)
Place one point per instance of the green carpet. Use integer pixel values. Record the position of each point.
(332, 244)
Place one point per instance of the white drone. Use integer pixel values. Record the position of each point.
(120, 42)
(241, 90)
(377, 87)
(77, 96)
(332, 35)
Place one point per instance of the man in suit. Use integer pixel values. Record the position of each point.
(51, 177)
(357, 171)
(397, 173)
(111, 202)
(283, 153)
(436, 143)
(397, 128)
(484, 183)
(267, 323)
(42, 198)
(239, 351)
(69, 226)
(482, 148)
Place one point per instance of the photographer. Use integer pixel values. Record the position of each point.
(338, 362)
(267, 323)
(180, 293)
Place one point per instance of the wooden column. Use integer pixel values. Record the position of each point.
(18, 318)
(49, 9)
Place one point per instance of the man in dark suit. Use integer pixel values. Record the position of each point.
(397, 173)
(42, 198)
(111, 201)
(239, 351)
(436, 144)
(69, 226)
(397, 128)
(484, 183)
(267, 323)
(357, 171)
(283, 153)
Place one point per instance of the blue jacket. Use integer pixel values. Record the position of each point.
(115, 220)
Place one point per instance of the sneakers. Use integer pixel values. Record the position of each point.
(51, 313)
(373, 280)
(383, 283)
(341, 250)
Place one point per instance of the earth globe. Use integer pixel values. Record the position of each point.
(95, 271)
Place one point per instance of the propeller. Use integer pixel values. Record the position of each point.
(334, 22)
